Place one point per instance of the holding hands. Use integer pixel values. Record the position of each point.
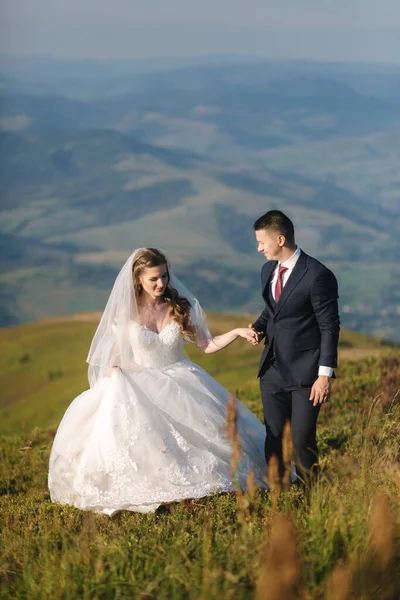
(248, 334)
(256, 337)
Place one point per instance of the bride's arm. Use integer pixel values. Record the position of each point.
(222, 341)
(114, 361)
(115, 355)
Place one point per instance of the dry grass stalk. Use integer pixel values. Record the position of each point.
(231, 417)
(236, 451)
(232, 433)
(274, 480)
(394, 475)
(234, 438)
(99, 564)
(251, 484)
(382, 532)
(280, 567)
(287, 452)
(207, 561)
(340, 583)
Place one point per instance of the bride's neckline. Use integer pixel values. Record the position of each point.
(152, 330)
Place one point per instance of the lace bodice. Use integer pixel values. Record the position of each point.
(155, 350)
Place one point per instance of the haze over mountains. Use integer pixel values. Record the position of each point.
(100, 158)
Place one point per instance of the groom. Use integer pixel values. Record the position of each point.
(300, 328)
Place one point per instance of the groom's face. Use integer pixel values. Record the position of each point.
(269, 243)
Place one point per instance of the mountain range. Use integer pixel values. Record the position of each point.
(107, 157)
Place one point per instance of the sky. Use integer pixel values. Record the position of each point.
(360, 30)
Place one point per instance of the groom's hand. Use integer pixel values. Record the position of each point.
(258, 336)
(321, 390)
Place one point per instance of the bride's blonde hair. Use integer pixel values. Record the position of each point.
(178, 306)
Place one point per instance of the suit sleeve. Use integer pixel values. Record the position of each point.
(324, 298)
(261, 323)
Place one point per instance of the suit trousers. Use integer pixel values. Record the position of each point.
(281, 404)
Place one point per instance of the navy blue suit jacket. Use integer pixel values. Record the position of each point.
(302, 329)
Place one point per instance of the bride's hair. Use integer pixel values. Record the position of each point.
(178, 306)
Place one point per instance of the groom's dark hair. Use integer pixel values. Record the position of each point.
(279, 222)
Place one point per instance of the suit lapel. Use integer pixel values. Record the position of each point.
(272, 264)
(295, 277)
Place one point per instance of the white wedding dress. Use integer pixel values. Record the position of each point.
(149, 436)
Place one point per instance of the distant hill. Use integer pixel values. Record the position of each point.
(75, 204)
(186, 159)
(90, 78)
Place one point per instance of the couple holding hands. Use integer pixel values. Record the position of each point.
(152, 427)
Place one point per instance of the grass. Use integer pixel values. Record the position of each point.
(339, 541)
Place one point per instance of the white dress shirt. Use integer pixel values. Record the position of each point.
(290, 264)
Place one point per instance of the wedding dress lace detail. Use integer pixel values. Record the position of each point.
(157, 350)
(151, 435)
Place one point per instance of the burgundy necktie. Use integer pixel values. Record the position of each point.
(279, 283)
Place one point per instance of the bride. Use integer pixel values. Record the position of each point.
(152, 427)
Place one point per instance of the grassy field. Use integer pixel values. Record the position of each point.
(339, 541)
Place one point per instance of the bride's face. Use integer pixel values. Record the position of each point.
(154, 280)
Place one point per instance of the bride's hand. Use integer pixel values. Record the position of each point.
(110, 371)
(248, 334)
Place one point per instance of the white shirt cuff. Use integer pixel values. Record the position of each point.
(327, 371)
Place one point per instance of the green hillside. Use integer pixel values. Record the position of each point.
(74, 204)
(340, 540)
(43, 366)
